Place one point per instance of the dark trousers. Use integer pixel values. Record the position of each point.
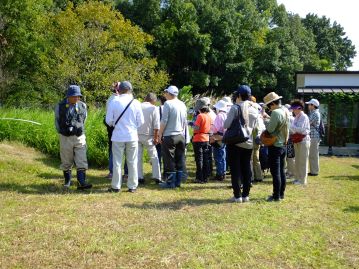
(173, 150)
(276, 159)
(201, 156)
(240, 165)
(159, 154)
(210, 160)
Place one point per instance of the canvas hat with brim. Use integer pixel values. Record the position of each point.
(73, 90)
(228, 100)
(271, 97)
(221, 105)
(200, 103)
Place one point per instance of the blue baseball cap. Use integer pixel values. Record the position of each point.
(73, 90)
(244, 89)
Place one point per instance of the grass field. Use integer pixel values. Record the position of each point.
(41, 226)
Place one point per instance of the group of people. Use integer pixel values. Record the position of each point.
(164, 131)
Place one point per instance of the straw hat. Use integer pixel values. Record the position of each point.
(271, 97)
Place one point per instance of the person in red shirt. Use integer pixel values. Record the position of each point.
(200, 141)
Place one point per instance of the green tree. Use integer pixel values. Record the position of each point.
(24, 43)
(94, 46)
(332, 45)
(89, 44)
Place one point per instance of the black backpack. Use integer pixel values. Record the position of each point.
(321, 129)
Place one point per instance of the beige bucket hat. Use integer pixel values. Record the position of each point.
(270, 97)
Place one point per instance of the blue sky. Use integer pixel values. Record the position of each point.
(344, 12)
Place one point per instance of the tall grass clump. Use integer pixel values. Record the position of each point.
(45, 138)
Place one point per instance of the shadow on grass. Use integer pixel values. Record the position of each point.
(176, 205)
(355, 166)
(350, 178)
(182, 204)
(50, 161)
(53, 185)
(352, 209)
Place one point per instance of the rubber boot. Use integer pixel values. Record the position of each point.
(67, 176)
(170, 183)
(179, 178)
(81, 178)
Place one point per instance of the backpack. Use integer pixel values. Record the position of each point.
(321, 129)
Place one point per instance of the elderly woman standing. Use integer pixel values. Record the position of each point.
(299, 130)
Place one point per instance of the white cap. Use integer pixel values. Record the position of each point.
(314, 102)
(228, 100)
(221, 105)
(172, 90)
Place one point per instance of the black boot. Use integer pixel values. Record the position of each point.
(67, 176)
(81, 178)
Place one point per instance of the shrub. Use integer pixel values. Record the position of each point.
(44, 137)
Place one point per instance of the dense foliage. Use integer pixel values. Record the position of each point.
(208, 44)
(89, 44)
(215, 45)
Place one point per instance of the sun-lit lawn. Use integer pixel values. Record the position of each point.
(41, 226)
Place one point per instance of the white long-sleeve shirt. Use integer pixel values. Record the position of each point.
(126, 128)
(301, 125)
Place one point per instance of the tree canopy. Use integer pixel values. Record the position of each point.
(209, 44)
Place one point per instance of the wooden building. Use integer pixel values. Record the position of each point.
(338, 94)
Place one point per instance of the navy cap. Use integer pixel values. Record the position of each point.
(244, 89)
(73, 90)
(125, 86)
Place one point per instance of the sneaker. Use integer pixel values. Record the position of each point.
(245, 199)
(297, 182)
(141, 181)
(313, 175)
(132, 190)
(157, 181)
(236, 200)
(199, 181)
(109, 176)
(113, 190)
(272, 199)
(86, 186)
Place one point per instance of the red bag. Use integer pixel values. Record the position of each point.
(296, 138)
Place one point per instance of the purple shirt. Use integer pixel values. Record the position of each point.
(218, 122)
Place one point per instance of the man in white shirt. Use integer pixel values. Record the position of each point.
(109, 129)
(148, 137)
(124, 136)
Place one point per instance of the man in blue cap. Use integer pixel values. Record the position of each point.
(70, 116)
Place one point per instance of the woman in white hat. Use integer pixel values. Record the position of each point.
(219, 149)
(314, 119)
(278, 125)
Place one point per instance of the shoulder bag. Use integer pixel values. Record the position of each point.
(237, 132)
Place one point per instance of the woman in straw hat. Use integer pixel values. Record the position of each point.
(278, 125)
